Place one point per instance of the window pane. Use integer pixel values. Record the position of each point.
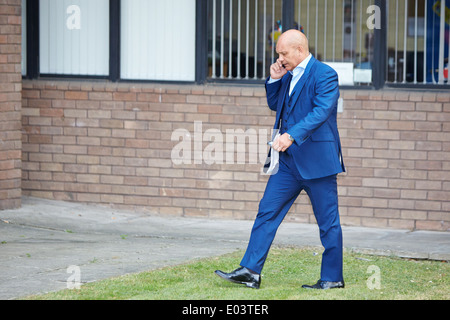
(158, 40)
(243, 34)
(241, 37)
(418, 42)
(339, 35)
(74, 37)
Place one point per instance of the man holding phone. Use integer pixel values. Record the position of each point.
(304, 93)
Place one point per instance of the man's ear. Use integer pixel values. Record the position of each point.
(300, 51)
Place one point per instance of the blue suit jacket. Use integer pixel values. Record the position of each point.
(312, 119)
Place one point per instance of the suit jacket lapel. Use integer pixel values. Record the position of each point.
(301, 83)
(283, 90)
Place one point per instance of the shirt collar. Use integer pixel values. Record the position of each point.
(302, 66)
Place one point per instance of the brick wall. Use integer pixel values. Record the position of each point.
(10, 104)
(106, 143)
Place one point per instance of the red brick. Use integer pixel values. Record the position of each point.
(124, 96)
(76, 95)
(173, 98)
(401, 125)
(401, 106)
(431, 225)
(52, 112)
(100, 96)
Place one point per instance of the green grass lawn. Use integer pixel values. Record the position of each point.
(284, 273)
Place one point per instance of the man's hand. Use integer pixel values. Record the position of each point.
(282, 143)
(277, 70)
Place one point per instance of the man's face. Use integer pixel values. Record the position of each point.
(288, 55)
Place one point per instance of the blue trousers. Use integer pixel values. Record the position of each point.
(281, 191)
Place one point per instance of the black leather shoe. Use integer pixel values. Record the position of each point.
(241, 275)
(325, 285)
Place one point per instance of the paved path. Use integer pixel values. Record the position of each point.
(39, 241)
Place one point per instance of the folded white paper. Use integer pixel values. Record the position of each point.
(272, 161)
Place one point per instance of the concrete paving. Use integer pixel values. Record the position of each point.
(41, 240)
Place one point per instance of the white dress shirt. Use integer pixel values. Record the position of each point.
(297, 73)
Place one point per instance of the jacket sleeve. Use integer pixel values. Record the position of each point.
(272, 93)
(324, 103)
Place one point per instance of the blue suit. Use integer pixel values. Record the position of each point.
(311, 163)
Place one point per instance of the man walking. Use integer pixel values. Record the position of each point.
(304, 93)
